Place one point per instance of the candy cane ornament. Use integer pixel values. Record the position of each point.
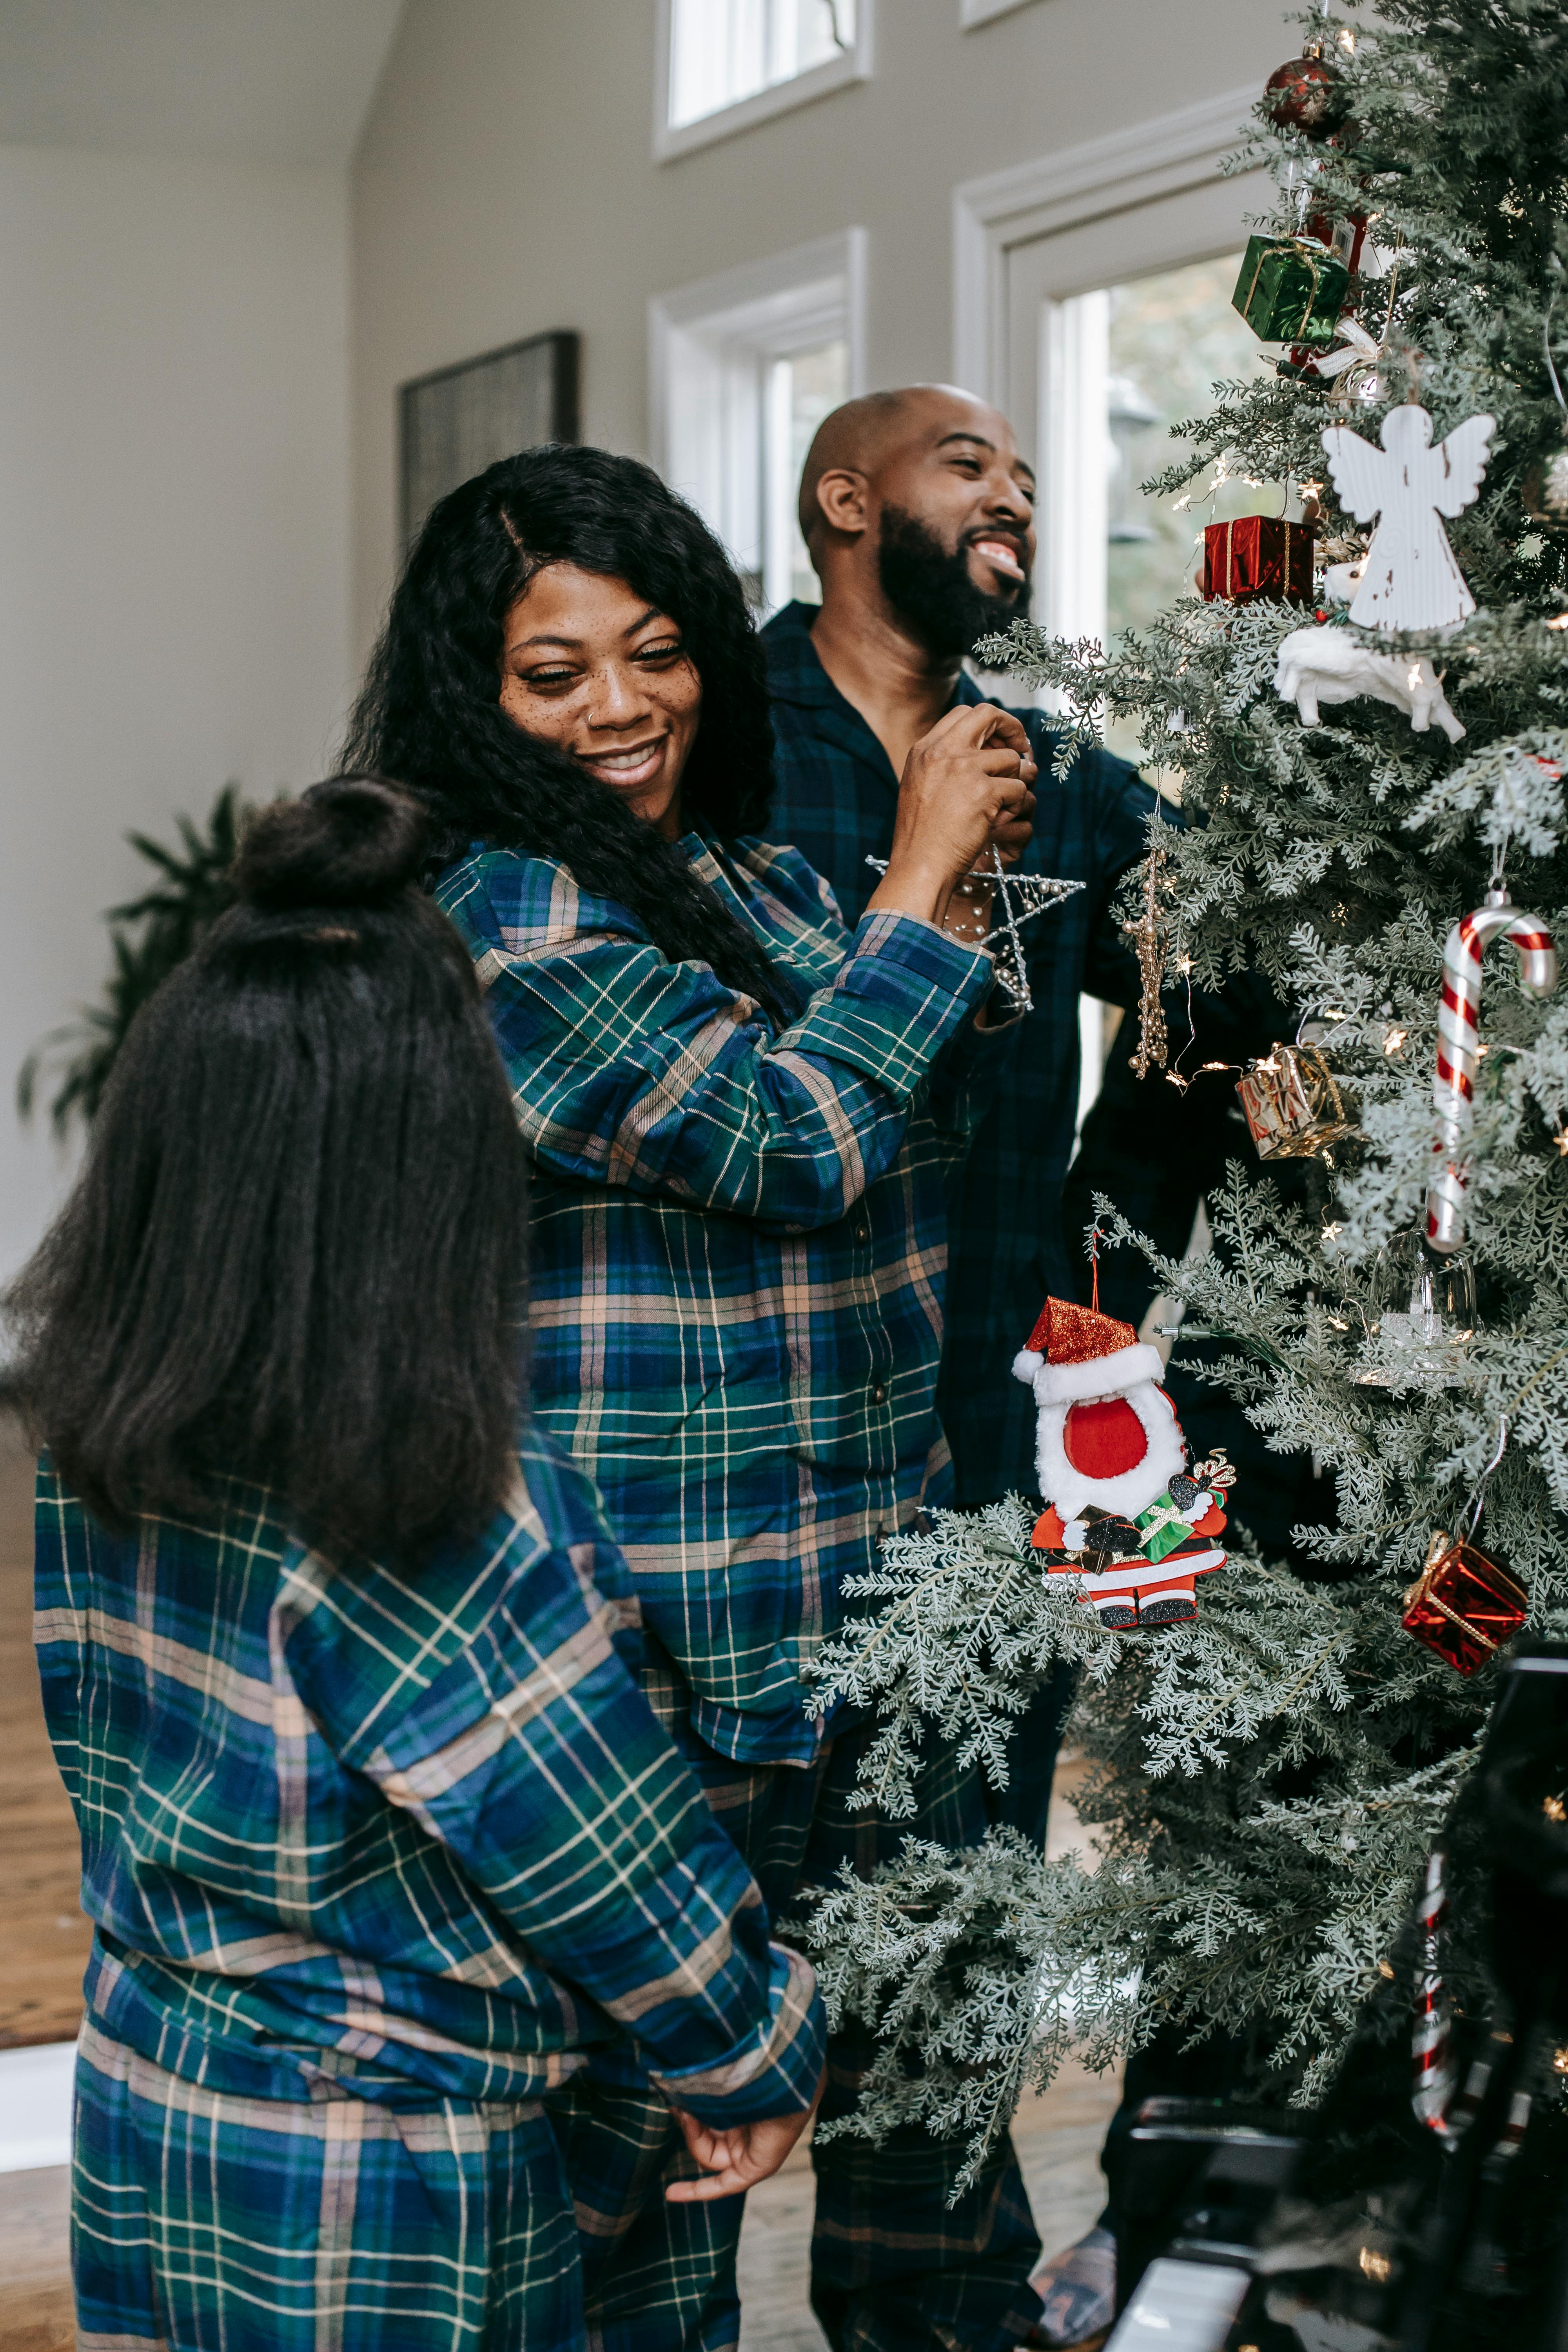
(1453, 1089)
(1432, 2066)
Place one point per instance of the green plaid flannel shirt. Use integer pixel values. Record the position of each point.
(420, 1836)
(738, 1244)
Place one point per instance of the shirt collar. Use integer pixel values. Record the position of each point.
(795, 667)
(795, 671)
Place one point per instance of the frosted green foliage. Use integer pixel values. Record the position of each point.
(1264, 1785)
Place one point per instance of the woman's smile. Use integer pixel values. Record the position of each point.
(628, 768)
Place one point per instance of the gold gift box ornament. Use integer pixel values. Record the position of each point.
(1292, 1104)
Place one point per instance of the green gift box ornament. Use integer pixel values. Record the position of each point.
(1291, 290)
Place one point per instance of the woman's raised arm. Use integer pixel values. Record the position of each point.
(629, 1070)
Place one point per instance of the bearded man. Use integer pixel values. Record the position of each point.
(918, 513)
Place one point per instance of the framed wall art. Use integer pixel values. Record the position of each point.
(455, 422)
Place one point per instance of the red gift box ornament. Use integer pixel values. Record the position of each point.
(1464, 1604)
(1258, 555)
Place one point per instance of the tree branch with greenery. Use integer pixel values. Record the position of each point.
(1264, 1784)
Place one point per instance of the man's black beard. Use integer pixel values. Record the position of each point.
(931, 590)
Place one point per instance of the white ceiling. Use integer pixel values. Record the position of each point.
(276, 81)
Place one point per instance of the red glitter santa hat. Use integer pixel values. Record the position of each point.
(1075, 1353)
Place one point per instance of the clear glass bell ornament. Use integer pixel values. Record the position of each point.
(1360, 385)
(1425, 1315)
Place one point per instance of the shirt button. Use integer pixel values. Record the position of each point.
(879, 1394)
(862, 1231)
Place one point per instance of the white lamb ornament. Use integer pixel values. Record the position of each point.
(1408, 578)
(1122, 1512)
(1317, 665)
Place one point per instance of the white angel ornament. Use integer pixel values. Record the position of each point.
(1409, 579)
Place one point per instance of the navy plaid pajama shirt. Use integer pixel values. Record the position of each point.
(835, 803)
(381, 1867)
(738, 1245)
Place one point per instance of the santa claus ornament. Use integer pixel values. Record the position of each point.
(1122, 1511)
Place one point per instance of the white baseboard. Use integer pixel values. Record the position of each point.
(35, 2106)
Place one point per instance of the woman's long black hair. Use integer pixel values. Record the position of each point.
(430, 711)
(296, 1254)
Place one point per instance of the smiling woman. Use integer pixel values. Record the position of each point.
(589, 666)
(739, 1118)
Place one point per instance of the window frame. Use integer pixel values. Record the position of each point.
(672, 141)
(973, 13)
(1113, 179)
(705, 426)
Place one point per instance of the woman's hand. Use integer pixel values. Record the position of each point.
(965, 788)
(736, 2160)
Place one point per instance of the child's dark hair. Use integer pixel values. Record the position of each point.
(296, 1254)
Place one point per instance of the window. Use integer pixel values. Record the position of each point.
(1123, 365)
(723, 65)
(743, 368)
(797, 390)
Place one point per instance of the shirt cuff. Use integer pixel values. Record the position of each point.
(929, 955)
(903, 991)
(773, 2072)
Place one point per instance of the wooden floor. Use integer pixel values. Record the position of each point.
(44, 1941)
(1058, 2137)
(44, 1938)
(43, 1949)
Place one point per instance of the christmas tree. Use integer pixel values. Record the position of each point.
(1268, 1779)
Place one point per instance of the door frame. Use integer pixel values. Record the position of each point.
(1119, 173)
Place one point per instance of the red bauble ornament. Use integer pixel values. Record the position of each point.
(1464, 1604)
(1305, 95)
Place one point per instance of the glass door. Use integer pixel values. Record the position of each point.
(1115, 329)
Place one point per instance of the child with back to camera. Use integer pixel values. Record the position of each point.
(381, 1840)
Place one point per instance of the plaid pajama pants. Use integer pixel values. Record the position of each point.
(206, 2223)
(893, 2268)
(203, 2222)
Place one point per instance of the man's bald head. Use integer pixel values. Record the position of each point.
(860, 437)
(853, 437)
(918, 512)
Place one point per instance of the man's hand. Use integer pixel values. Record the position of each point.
(965, 788)
(736, 2160)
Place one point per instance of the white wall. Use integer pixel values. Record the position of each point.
(174, 543)
(504, 183)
